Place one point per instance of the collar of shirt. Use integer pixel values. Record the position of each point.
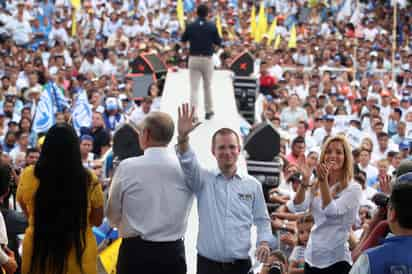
(154, 150)
(218, 173)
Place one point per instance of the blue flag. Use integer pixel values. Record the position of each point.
(82, 112)
(51, 101)
(189, 5)
(44, 116)
(59, 101)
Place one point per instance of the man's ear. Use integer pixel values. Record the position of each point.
(392, 215)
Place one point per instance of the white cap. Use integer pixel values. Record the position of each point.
(373, 53)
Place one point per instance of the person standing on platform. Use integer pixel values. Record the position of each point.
(201, 35)
(229, 202)
(150, 202)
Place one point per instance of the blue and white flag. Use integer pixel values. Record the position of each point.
(189, 5)
(59, 101)
(51, 101)
(44, 116)
(82, 111)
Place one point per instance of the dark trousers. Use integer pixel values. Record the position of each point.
(337, 268)
(139, 256)
(207, 266)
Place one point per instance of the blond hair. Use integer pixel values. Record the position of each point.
(347, 169)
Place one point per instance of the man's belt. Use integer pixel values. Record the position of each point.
(225, 265)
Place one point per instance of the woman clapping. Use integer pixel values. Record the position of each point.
(334, 200)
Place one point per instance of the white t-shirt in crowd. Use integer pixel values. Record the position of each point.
(95, 67)
(371, 171)
(20, 31)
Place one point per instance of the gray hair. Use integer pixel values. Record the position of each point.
(160, 126)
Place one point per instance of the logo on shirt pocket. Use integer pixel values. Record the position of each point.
(245, 197)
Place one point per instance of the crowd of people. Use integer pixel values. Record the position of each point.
(333, 80)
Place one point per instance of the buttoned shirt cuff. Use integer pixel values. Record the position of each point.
(187, 155)
(3, 257)
(331, 209)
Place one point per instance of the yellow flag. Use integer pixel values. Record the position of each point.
(231, 35)
(253, 22)
(292, 38)
(108, 257)
(262, 23)
(74, 23)
(277, 41)
(312, 3)
(180, 14)
(76, 4)
(271, 32)
(219, 25)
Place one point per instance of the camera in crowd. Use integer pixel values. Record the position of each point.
(276, 268)
(295, 178)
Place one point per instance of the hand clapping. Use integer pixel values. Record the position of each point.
(322, 170)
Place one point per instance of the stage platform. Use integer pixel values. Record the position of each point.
(177, 91)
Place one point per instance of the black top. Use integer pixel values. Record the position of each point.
(101, 138)
(202, 35)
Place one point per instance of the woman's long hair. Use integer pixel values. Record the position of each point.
(60, 212)
(347, 169)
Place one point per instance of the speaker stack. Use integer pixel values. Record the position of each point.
(245, 86)
(263, 146)
(147, 69)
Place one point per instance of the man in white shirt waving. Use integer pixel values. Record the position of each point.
(149, 202)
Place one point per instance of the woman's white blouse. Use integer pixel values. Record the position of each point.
(328, 240)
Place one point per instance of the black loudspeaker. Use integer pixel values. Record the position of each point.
(243, 64)
(126, 143)
(148, 64)
(245, 94)
(263, 143)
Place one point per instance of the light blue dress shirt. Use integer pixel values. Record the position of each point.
(227, 207)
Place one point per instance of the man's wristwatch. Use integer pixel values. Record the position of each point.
(181, 140)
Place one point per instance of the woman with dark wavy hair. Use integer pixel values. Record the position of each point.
(62, 201)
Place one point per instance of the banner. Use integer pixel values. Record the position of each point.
(189, 5)
(44, 116)
(82, 112)
(59, 101)
(51, 101)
